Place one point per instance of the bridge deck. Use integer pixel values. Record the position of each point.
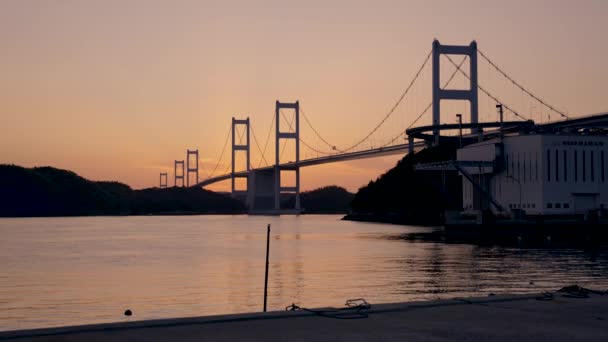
(372, 153)
(596, 121)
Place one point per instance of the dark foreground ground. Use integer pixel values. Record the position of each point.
(498, 318)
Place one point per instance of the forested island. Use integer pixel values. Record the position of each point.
(326, 200)
(403, 195)
(48, 191)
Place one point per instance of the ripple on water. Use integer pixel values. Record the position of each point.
(91, 269)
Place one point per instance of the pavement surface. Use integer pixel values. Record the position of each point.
(498, 318)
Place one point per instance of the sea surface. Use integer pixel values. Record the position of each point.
(71, 271)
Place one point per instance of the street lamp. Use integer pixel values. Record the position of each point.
(500, 112)
(459, 116)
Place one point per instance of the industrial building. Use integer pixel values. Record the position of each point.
(540, 174)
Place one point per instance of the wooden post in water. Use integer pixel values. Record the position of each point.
(266, 274)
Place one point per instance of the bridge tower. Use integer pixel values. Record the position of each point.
(163, 180)
(278, 189)
(179, 176)
(189, 168)
(454, 94)
(239, 147)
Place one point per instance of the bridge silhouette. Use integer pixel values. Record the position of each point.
(264, 188)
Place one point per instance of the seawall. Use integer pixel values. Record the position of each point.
(559, 317)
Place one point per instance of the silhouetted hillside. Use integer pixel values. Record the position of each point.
(47, 191)
(183, 200)
(327, 200)
(404, 196)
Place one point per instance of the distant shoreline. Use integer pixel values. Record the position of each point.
(51, 192)
(164, 214)
(390, 218)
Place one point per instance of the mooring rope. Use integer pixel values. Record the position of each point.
(355, 309)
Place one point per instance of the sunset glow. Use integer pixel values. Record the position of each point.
(118, 90)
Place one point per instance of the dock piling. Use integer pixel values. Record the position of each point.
(266, 273)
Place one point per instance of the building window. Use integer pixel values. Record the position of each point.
(549, 205)
(530, 167)
(512, 166)
(603, 167)
(584, 166)
(518, 167)
(575, 166)
(548, 166)
(566, 205)
(565, 166)
(523, 166)
(536, 166)
(556, 165)
(533, 205)
(592, 166)
(558, 205)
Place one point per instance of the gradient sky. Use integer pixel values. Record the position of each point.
(116, 90)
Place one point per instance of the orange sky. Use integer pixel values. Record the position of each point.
(117, 90)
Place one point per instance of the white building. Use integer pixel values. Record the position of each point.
(541, 174)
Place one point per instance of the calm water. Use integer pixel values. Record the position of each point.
(58, 271)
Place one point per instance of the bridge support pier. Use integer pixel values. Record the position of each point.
(260, 191)
(454, 94)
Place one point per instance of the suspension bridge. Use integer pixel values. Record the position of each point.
(389, 136)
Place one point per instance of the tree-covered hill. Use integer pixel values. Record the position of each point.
(402, 195)
(48, 191)
(326, 200)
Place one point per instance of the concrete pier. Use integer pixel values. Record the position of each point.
(497, 318)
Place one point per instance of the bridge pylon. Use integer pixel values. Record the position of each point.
(239, 147)
(454, 94)
(178, 166)
(295, 135)
(191, 169)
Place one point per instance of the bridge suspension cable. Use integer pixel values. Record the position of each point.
(487, 92)
(290, 124)
(221, 154)
(529, 93)
(333, 147)
(390, 112)
(447, 83)
(426, 109)
(267, 139)
(255, 139)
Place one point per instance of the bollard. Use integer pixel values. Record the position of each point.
(519, 241)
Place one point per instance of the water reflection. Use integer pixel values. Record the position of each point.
(85, 270)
